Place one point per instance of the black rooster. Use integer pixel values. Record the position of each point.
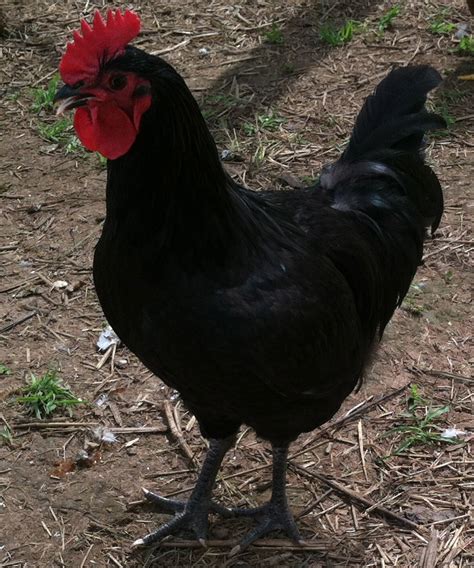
(260, 308)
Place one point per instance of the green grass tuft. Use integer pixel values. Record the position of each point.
(46, 394)
(4, 370)
(57, 132)
(466, 45)
(6, 436)
(421, 428)
(386, 20)
(269, 121)
(43, 97)
(443, 110)
(413, 301)
(440, 23)
(274, 35)
(61, 131)
(339, 36)
(440, 27)
(215, 106)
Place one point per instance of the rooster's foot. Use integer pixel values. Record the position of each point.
(192, 518)
(273, 516)
(191, 515)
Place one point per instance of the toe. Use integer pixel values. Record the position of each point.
(164, 504)
(193, 521)
(271, 518)
(169, 528)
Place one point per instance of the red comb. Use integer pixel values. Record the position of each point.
(97, 44)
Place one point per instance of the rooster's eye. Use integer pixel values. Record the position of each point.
(118, 82)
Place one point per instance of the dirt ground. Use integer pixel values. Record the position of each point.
(281, 101)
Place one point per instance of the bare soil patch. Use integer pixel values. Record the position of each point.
(280, 103)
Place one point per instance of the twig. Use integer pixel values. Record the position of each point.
(171, 48)
(442, 374)
(236, 60)
(360, 437)
(114, 560)
(310, 545)
(84, 560)
(259, 27)
(177, 434)
(13, 324)
(105, 357)
(355, 496)
(85, 425)
(12, 287)
(441, 249)
(466, 117)
(143, 430)
(268, 544)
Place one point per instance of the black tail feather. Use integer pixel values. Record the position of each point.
(398, 133)
(402, 94)
(387, 143)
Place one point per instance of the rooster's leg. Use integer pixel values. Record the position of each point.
(193, 514)
(274, 515)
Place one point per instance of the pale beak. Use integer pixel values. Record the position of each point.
(69, 98)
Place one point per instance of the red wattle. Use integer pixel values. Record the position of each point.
(105, 128)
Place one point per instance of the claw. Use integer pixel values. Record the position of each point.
(138, 542)
(235, 551)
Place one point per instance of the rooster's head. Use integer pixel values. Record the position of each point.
(102, 83)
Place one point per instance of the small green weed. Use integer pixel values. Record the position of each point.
(386, 20)
(60, 131)
(43, 97)
(4, 370)
(448, 276)
(46, 394)
(217, 105)
(411, 306)
(73, 145)
(466, 45)
(56, 132)
(440, 27)
(440, 23)
(339, 36)
(421, 428)
(102, 160)
(310, 180)
(6, 435)
(452, 96)
(288, 68)
(268, 121)
(415, 400)
(412, 302)
(259, 155)
(442, 107)
(274, 35)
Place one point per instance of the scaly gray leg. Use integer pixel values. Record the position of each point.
(274, 515)
(193, 514)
